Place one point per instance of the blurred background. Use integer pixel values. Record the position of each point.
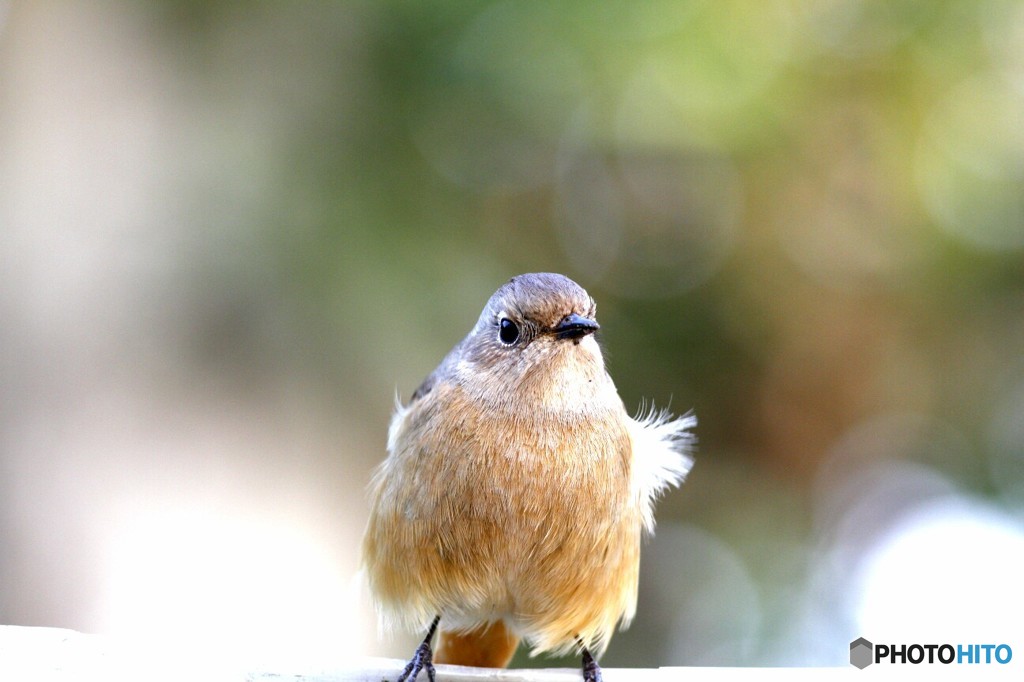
(230, 232)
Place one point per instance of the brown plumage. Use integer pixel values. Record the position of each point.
(516, 487)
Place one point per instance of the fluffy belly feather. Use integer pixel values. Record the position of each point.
(521, 531)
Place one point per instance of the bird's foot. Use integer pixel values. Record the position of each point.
(591, 670)
(422, 659)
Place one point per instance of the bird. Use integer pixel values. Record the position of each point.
(517, 488)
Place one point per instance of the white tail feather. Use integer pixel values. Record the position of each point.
(662, 448)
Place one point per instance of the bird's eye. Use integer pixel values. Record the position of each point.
(508, 332)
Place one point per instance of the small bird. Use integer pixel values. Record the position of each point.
(517, 488)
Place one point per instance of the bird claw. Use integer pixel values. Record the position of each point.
(422, 659)
(591, 670)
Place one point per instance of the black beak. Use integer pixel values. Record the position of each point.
(575, 327)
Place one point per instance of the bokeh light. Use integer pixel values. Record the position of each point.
(949, 572)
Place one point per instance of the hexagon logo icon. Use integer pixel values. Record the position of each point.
(861, 653)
